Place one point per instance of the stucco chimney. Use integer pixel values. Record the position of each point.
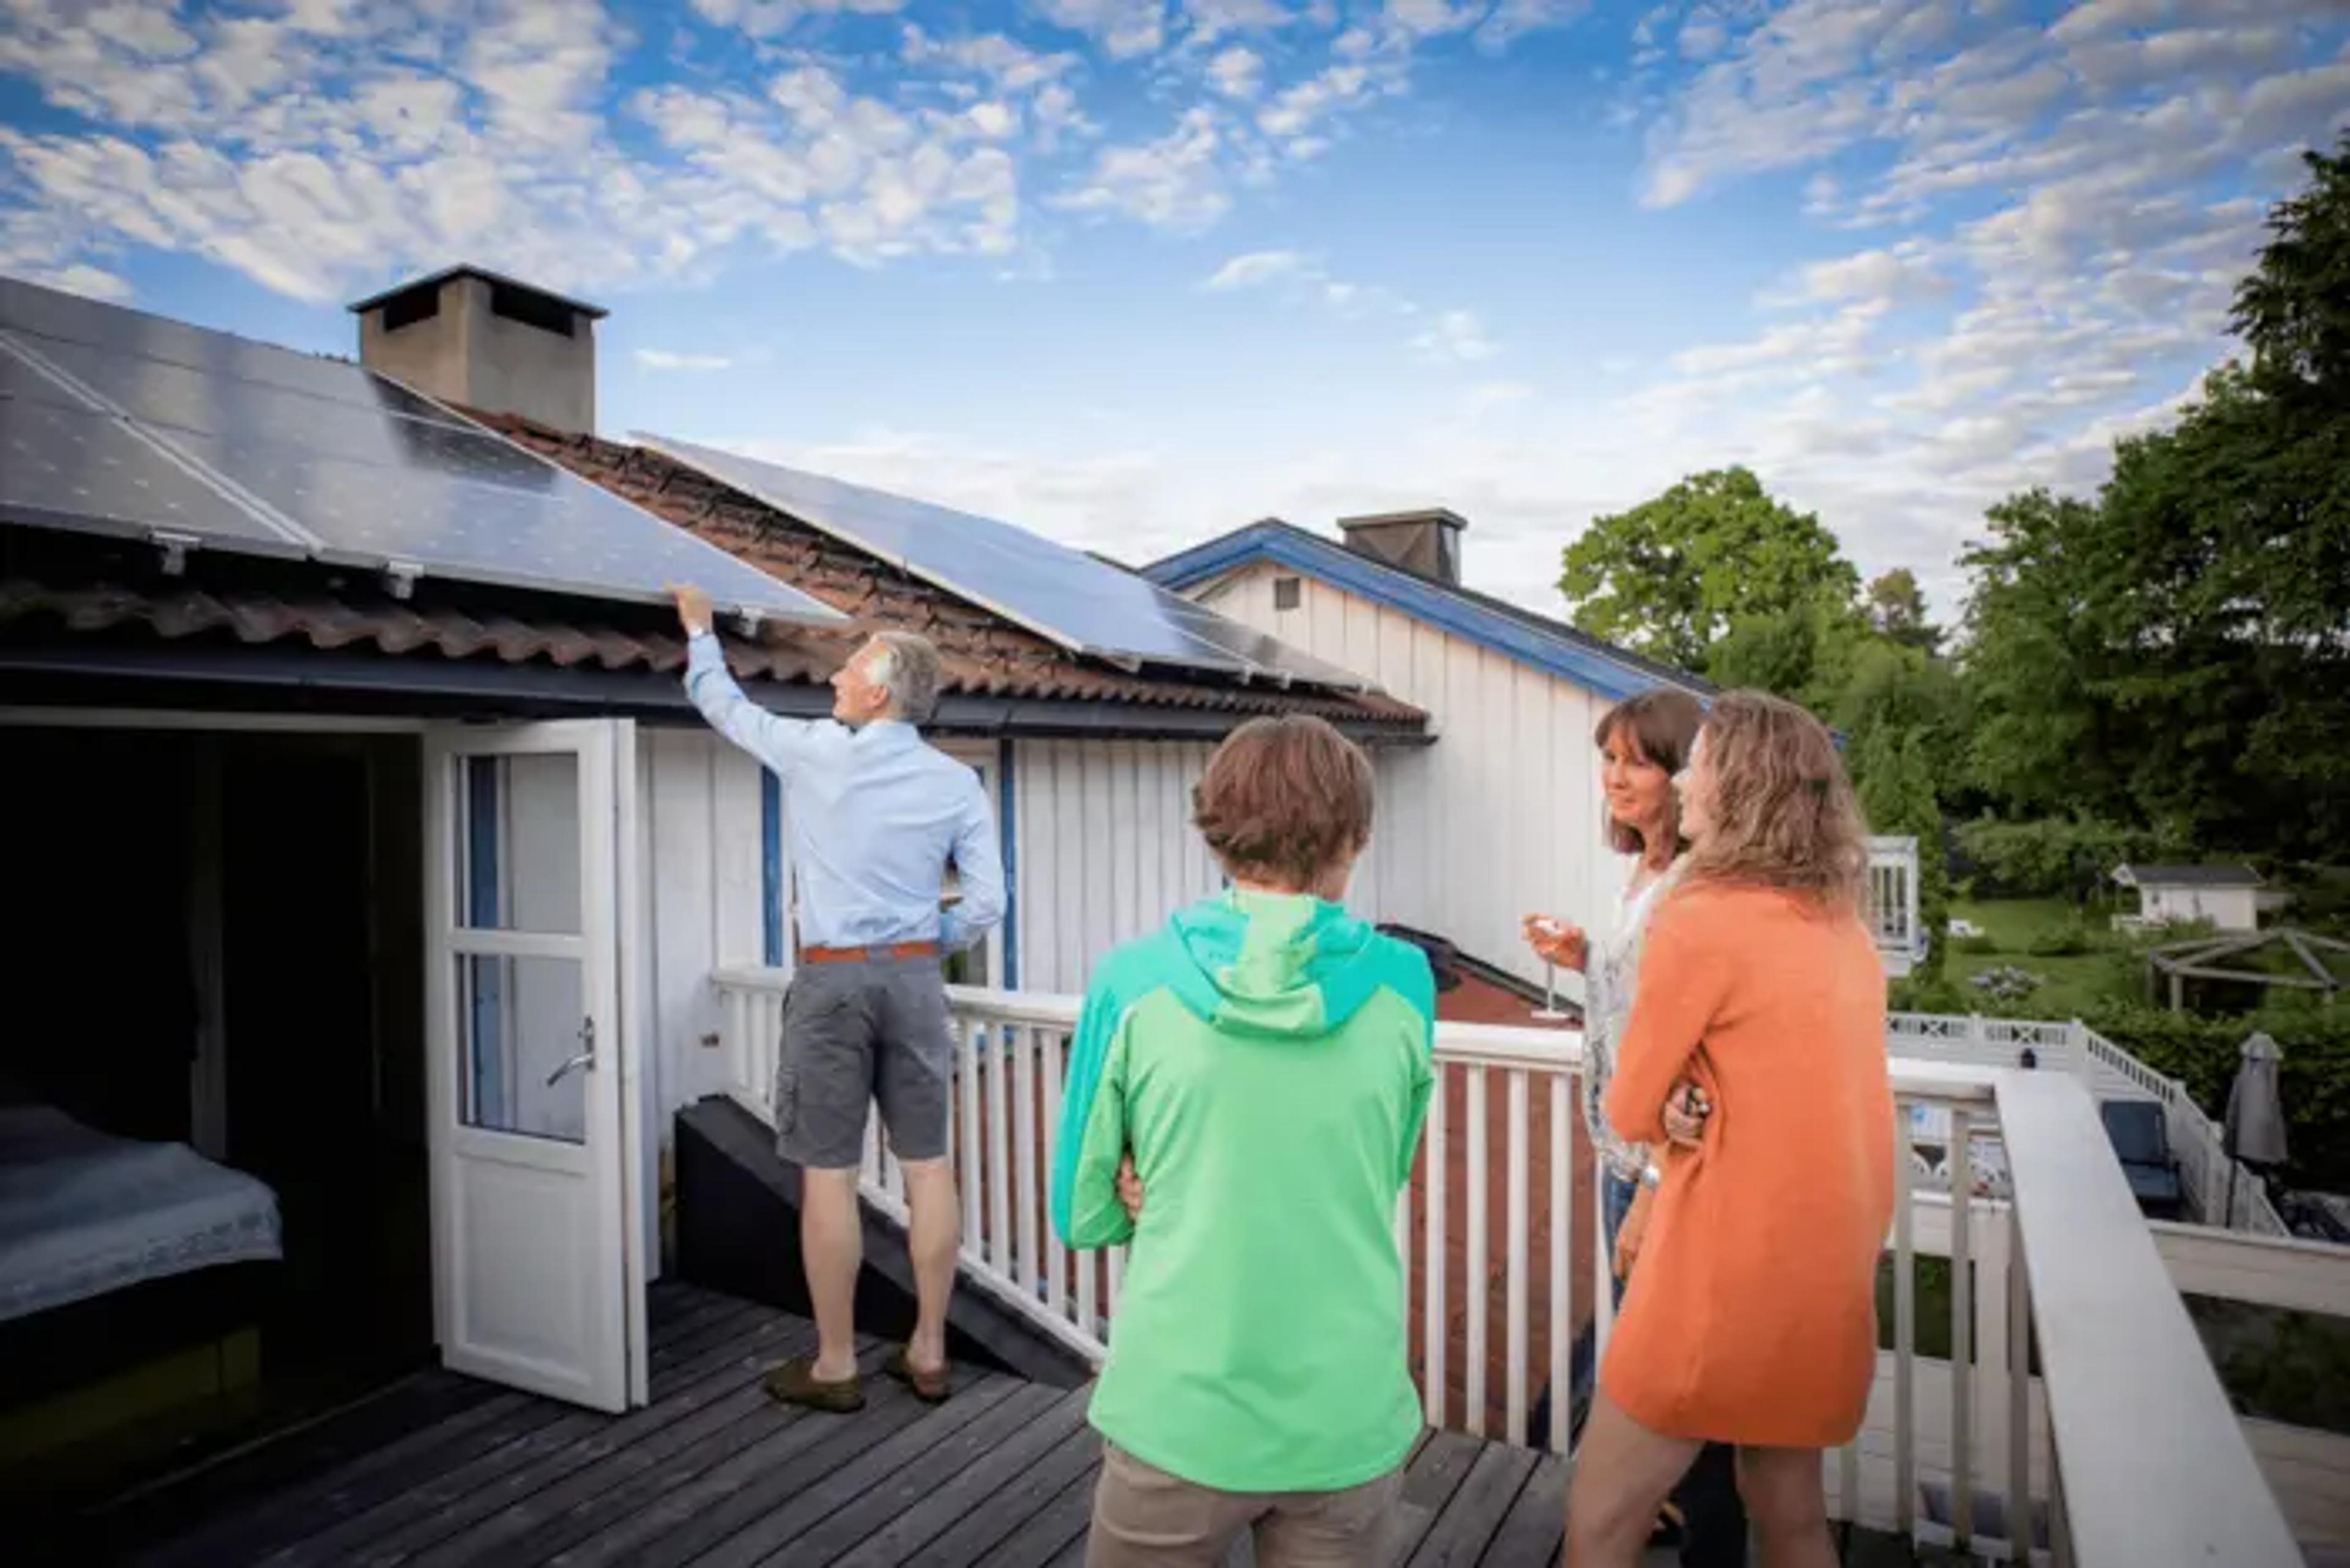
(1427, 541)
(471, 337)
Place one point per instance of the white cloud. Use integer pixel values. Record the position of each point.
(668, 360)
(1124, 29)
(1258, 268)
(1514, 19)
(1210, 20)
(772, 19)
(1456, 337)
(1173, 182)
(1238, 72)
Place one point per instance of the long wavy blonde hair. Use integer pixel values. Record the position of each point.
(1784, 814)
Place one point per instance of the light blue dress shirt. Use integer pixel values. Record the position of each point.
(875, 814)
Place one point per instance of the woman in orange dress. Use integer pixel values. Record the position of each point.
(1750, 1319)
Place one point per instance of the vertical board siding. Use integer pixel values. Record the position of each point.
(1501, 816)
(1107, 847)
(700, 803)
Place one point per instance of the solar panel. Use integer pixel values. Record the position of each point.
(76, 468)
(1063, 595)
(51, 317)
(157, 426)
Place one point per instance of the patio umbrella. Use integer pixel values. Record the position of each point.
(2255, 1125)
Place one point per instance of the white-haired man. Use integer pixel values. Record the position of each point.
(876, 814)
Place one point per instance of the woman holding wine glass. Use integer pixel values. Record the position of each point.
(1643, 740)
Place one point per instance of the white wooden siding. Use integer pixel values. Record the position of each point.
(699, 802)
(1103, 849)
(1501, 817)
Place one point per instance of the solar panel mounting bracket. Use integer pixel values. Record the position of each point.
(748, 620)
(175, 547)
(399, 578)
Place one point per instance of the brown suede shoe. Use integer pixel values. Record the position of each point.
(795, 1382)
(929, 1387)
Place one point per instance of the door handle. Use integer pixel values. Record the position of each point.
(587, 1057)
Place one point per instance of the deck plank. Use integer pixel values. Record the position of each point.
(1477, 1511)
(250, 1475)
(1535, 1530)
(966, 1473)
(855, 1500)
(441, 1473)
(1443, 1462)
(1051, 1530)
(682, 1469)
(755, 1482)
(438, 1522)
(991, 1521)
(443, 1459)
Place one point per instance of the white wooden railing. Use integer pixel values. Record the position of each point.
(2067, 1266)
(2222, 1192)
(1494, 1185)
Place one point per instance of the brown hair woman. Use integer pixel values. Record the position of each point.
(1750, 1319)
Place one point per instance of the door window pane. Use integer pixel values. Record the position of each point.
(518, 843)
(520, 1021)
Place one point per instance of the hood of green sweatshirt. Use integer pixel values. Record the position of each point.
(1278, 964)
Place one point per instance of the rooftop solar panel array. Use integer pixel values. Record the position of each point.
(1063, 594)
(116, 421)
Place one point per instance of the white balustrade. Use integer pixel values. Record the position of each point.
(1959, 1450)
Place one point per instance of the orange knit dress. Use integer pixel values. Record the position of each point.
(1750, 1314)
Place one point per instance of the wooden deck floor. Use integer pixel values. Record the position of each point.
(442, 1470)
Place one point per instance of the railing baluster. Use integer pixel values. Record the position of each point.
(1905, 1328)
(2019, 1393)
(1088, 1266)
(1514, 1395)
(734, 1012)
(1475, 1283)
(1056, 1257)
(1562, 1232)
(1024, 1127)
(1435, 1327)
(1962, 1318)
(974, 1135)
(1117, 1261)
(999, 1154)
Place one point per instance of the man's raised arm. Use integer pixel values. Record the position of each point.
(778, 742)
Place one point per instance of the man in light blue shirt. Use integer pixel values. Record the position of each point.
(876, 816)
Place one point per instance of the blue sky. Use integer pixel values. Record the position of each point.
(1135, 272)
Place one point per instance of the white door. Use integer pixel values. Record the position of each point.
(537, 1279)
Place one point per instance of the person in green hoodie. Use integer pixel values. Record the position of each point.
(1258, 1070)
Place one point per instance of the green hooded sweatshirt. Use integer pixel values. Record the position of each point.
(1267, 1059)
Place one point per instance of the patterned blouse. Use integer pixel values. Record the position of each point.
(1611, 973)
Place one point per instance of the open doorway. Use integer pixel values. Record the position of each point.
(212, 1138)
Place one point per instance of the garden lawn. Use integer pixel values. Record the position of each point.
(2071, 983)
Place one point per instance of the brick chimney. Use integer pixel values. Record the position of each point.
(1425, 542)
(471, 337)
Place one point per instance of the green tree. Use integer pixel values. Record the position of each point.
(1896, 609)
(1668, 577)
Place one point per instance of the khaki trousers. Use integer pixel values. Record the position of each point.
(1145, 1517)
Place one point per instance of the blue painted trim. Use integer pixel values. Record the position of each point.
(1006, 836)
(1402, 592)
(486, 1049)
(771, 867)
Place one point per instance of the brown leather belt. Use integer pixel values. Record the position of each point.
(851, 955)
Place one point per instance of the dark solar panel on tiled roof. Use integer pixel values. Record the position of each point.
(117, 423)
